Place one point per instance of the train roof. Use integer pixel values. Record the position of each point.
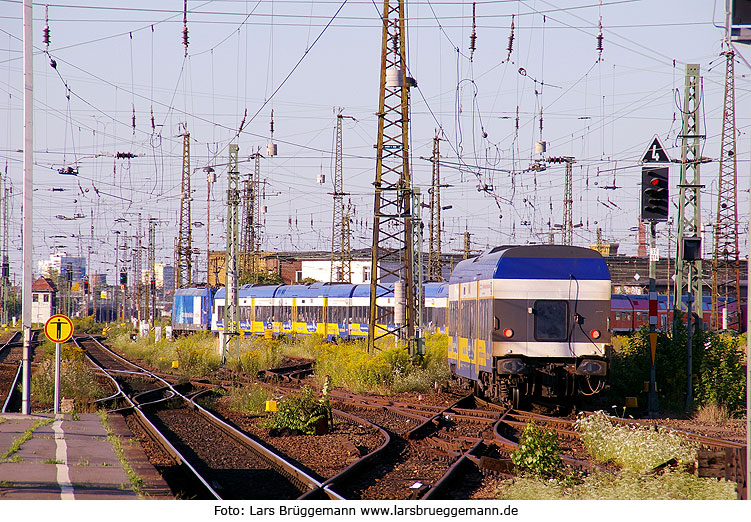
(194, 291)
(533, 262)
(363, 290)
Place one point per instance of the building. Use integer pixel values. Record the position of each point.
(63, 264)
(43, 300)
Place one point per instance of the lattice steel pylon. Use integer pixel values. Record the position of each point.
(246, 230)
(341, 256)
(568, 198)
(689, 190)
(184, 268)
(150, 260)
(5, 266)
(137, 270)
(392, 250)
(231, 324)
(725, 263)
(434, 241)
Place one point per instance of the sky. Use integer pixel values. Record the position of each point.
(120, 62)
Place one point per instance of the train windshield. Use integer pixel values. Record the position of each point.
(551, 320)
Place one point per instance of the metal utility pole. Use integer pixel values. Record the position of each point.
(246, 230)
(725, 263)
(150, 257)
(5, 267)
(688, 261)
(689, 209)
(392, 250)
(183, 268)
(210, 179)
(467, 246)
(341, 256)
(434, 242)
(568, 199)
(138, 271)
(231, 317)
(28, 196)
(255, 226)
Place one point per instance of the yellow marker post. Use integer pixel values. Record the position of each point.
(653, 344)
(58, 329)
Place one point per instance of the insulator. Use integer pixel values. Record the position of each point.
(153, 126)
(599, 43)
(46, 33)
(510, 47)
(134, 119)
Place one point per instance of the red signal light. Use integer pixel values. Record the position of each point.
(655, 182)
(508, 332)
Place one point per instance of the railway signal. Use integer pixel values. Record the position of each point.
(654, 194)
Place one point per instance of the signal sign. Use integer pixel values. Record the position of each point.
(655, 153)
(58, 328)
(654, 194)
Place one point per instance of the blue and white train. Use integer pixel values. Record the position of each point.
(531, 322)
(523, 321)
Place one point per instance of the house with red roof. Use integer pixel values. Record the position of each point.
(43, 300)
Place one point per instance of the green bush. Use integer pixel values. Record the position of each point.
(300, 412)
(538, 451)
(630, 365)
(721, 377)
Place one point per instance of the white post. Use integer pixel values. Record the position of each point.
(28, 188)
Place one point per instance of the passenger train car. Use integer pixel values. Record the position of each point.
(191, 310)
(628, 313)
(531, 322)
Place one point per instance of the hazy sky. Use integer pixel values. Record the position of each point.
(303, 60)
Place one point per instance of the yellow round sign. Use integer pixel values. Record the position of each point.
(58, 328)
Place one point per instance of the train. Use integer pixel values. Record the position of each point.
(629, 313)
(531, 322)
(524, 322)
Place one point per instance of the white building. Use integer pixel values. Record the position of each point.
(62, 264)
(164, 276)
(43, 303)
(320, 270)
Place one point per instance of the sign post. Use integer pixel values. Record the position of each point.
(58, 329)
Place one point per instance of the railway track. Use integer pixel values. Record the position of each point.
(203, 457)
(11, 355)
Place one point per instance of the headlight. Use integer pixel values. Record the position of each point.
(511, 366)
(592, 367)
(595, 334)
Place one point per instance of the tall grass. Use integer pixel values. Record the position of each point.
(347, 363)
(627, 485)
(77, 382)
(635, 448)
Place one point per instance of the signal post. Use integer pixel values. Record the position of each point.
(655, 201)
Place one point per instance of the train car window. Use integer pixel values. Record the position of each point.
(551, 320)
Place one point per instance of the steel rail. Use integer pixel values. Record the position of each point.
(330, 484)
(297, 476)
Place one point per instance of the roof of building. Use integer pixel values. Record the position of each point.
(43, 285)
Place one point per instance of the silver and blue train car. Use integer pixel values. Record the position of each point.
(191, 310)
(531, 322)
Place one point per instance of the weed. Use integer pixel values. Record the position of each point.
(53, 461)
(26, 435)
(7, 484)
(250, 399)
(636, 448)
(626, 485)
(713, 414)
(538, 451)
(83, 461)
(77, 381)
(301, 412)
(136, 482)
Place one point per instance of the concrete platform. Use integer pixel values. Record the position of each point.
(70, 458)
